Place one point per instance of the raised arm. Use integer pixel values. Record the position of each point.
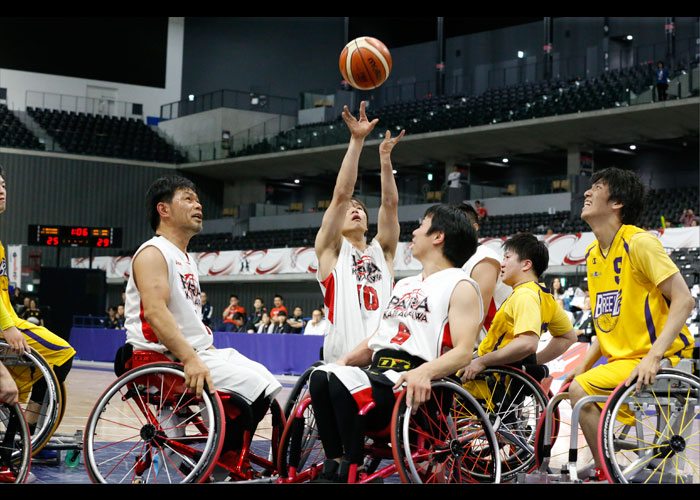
(329, 236)
(388, 228)
(151, 277)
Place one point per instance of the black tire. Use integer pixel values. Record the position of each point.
(15, 444)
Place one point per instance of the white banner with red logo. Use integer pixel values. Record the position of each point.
(564, 249)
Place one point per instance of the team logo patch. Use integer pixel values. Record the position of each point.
(191, 288)
(365, 269)
(413, 304)
(607, 310)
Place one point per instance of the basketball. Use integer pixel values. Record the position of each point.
(365, 63)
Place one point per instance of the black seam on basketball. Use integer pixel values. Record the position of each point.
(367, 69)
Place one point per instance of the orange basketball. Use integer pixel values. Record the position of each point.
(365, 63)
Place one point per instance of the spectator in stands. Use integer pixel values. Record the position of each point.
(17, 298)
(265, 325)
(280, 324)
(454, 178)
(297, 321)
(258, 310)
(120, 314)
(23, 307)
(688, 218)
(278, 302)
(239, 323)
(207, 310)
(112, 322)
(661, 82)
(318, 324)
(231, 309)
(33, 314)
(557, 290)
(569, 314)
(583, 322)
(481, 211)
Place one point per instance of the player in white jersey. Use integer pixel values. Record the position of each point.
(484, 267)
(356, 277)
(427, 331)
(163, 305)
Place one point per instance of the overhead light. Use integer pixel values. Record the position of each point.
(633, 147)
(505, 160)
(629, 37)
(393, 171)
(296, 181)
(521, 54)
(190, 97)
(430, 176)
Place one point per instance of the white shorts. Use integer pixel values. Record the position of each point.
(232, 372)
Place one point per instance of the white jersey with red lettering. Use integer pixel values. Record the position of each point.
(230, 370)
(500, 292)
(416, 320)
(185, 302)
(354, 294)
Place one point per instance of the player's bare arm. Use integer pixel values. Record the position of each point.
(556, 347)
(486, 273)
(463, 317)
(593, 354)
(361, 355)
(8, 388)
(388, 228)
(151, 278)
(521, 346)
(329, 237)
(681, 305)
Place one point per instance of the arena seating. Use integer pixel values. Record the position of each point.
(517, 102)
(101, 135)
(13, 133)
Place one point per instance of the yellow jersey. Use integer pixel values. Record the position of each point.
(529, 308)
(629, 310)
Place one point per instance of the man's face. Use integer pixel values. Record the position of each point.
(316, 316)
(421, 240)
(186, 211)
(297, 312)
(120, 310)
(355, 218)
(277, 301)
(204, 297)
(597, 202)
(510, 268)
(257, 304)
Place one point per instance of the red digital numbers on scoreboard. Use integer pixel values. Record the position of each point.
(78, 231)
(102, 242)
(52, 241)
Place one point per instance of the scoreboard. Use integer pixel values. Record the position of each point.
(75, 236)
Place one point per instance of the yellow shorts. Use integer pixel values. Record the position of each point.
(52, 348)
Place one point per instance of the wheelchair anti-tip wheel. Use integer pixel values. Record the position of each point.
(148, 427)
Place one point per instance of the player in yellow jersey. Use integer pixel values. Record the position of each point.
(639, 300)
(21, 334)
(529, 311)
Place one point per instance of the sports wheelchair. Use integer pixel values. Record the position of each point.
(649, 436)
(514, 397)
(449, 440)
(15, 444)
(148, 427)
(27, 370)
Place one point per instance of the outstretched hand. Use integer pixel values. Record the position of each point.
(388, 143)
(359, 128)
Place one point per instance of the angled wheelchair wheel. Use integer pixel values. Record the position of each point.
(15, 444)
(449, 440)
(147, 427)
(514, 402)
(301, 454)
(653, 436)
(300, 389)
(27, 370)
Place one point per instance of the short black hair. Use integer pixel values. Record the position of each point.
(625, 187)
(527, 247)
(162, 190)
(461, 239)
(470, 211)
